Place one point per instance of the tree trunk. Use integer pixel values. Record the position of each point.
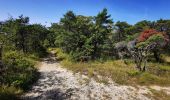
(144, 67)
(1, 65)
(95, 51)
(0, 52)
(156, 55)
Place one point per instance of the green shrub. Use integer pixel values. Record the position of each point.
(20, 71)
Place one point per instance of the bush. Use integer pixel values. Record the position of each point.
(19, 70)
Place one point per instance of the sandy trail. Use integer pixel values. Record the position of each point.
(57, 83)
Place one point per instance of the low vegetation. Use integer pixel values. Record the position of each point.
(21, 46)
(159, 95)
(121, 71)
(18, 73)
(9, 92)
(19, 70)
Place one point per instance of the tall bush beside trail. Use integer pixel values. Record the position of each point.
(147, 34)
(19, 70)
(150, 32)
(18, 34)
(84, 37)
(149, 42)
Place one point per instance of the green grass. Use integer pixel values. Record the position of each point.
(165, 68)
(122, 72)
(59, 54)
(151, 79)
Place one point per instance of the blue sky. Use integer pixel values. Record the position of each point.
(49, 11)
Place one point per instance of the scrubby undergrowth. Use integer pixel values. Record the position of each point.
(120, 71)
(18, 74)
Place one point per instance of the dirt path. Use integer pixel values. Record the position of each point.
(57, 83)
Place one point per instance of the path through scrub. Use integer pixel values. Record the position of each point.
(57, 83)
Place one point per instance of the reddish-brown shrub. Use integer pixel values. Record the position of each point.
(150, 32)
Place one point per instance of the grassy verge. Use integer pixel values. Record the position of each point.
(122, 72)
(159, 95)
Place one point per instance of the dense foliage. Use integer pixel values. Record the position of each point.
(97, 37)
(20, 44)
(18, 34)
(19, 70)
(84, 37)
